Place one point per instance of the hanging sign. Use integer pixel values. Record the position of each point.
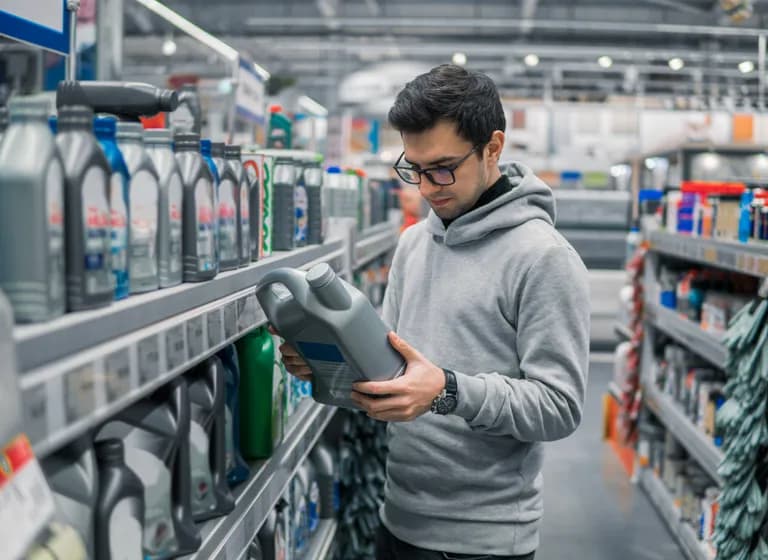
(43, 23)
(250, 94)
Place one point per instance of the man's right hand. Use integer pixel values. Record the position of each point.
(293, 362)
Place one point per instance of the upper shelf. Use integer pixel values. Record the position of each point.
(748, 258)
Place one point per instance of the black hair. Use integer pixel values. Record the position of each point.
(452, 93)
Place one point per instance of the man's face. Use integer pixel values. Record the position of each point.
(442, 146)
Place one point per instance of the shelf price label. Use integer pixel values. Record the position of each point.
(149, 359)
(230, 320)
(117, 371)
(80, 392)
(215, 328)
(195, 340)
(35, 412)
(176, 347)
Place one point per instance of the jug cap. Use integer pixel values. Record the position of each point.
(158, 135)
(23, 108)
(320, 275)
(187, 141)
(206, 146)
(129, 131)
(217, 149)
(233, 151)
(110, 450)
(75, 117)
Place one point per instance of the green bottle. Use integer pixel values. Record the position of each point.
(261, 395)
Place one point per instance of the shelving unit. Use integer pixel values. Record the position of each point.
(321, 544)
(374, 242)
(229, 537)
(695, 441)
(692, 336)
(662, 501)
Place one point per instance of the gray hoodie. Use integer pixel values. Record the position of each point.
(502, 299)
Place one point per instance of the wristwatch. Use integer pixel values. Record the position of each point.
(446, 402)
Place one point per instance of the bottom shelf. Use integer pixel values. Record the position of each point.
(321, 544)
(662, 501)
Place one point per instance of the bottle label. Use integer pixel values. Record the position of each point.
(205, 225)
(227, 222)
(175, 201)
(266, 206)
(245, 221)
(144, 214)
(314, 506)
(125, 531)
(202, 496)
(300, 527)
(119, 225)
(55, 201)
(302, 209)
(97, 245)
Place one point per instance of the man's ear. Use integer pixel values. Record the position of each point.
(495, 146)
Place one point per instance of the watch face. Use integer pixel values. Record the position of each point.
(446, 405)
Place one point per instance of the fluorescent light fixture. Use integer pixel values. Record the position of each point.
(605, 61)
(312, 106)
(676, 63)
(746, 67)
(169, 47)
(531, 60)
(459, 58)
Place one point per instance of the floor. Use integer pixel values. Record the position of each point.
(592, 511)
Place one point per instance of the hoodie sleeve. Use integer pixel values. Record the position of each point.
(546, 403)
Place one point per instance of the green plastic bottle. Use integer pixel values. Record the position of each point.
(280, 129)
(261, 395)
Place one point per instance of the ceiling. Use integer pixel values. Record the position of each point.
(317, 43)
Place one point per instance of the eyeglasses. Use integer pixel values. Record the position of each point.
(441, 175)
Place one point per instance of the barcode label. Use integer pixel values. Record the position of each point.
(80, 392)
(149, 359)
(117, 369)
(176, 347)
(35, 410)
(195, 339)
(230, 320)
(215, 328)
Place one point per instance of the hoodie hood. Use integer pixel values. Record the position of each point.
(529, 199)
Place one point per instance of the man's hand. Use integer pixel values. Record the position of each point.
(294, 364)
(407, 397)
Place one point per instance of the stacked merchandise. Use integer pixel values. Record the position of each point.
(742, 529)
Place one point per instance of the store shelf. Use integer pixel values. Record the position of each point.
(691, 335)
(747, 258)
(321, 544)
(83, 368)
(622, 330)
(662, 501)
(227, 538)
(695, 441)
(374, 242)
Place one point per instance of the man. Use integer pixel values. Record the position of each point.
(491, 309)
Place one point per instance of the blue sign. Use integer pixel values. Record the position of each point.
(42, 23)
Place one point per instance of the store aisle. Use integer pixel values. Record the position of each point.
(592, 510)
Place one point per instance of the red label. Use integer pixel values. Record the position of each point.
(175, 213)
(96, 218)
(204, 215)
(15, 455)
(226, 211)
(118, 219)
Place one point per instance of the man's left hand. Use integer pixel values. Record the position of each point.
(407, 397)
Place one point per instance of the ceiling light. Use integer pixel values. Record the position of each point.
(169, 47)
(605, 61)
(676, 63)
(746, 67)
(459, 59)
(531, 60)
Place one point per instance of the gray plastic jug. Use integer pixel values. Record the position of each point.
(32, 209)
(159, 144)
(308, 477)
(284, 205)
(73, 477)
(198, 234)
(229, 221)
(313, 181)
(233, 157)
(327, 472)
(119, 515)
(87, 217)
(273, 537)
(144, 199)
(333, 326)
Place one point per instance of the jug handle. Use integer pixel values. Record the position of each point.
(290, 278)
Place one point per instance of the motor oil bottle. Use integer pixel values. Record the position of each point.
(334, 328)
(73, 477)
(272, 536)
(267, 203)
(105, 129)
(229, 218)
(301, 203)
(237, 469)
(280, 129)
(119, 519)
(261, 394)
(284, 200)
(159, 144)
(332, 195)
(252, 171)
(198, 234)
(126, 100)
(233, 157)
(155, 434)
(313, 182)
(32, 209)
(207, 437)
(308, 477)
(87, 212)
(206, 149)
(299, 520)
(326, 469)
(144, 200)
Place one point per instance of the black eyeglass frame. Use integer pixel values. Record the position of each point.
(428, 171)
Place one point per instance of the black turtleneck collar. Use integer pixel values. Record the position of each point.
(500, 187)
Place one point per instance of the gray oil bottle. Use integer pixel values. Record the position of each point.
(333, 326)
(119, 519)
(4, 120)
(273, 538)
(313, 182)
(208, 441)
(87, 215)
(327, 472)
(32, 209)
(229, 193)
(73, 477)
(155, 437)
(233, 157)
(159, 144)
(284, 205)
(144, 211)
(198, 235)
